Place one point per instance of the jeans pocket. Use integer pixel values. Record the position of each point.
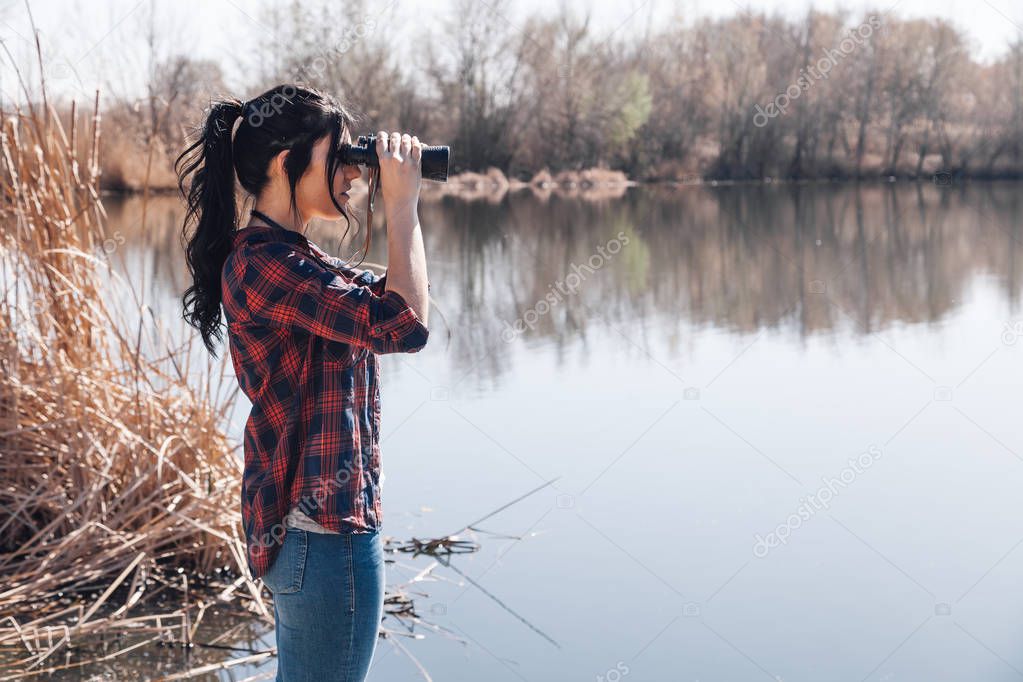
(287, 570)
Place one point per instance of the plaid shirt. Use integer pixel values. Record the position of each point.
(303, 333)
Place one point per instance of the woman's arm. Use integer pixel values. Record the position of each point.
(285, 289)
(406, 260)
(400, 160)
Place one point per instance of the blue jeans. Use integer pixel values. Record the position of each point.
(328, 601)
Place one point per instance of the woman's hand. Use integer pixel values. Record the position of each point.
(401, 174)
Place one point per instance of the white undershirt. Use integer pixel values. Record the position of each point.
(296, 518)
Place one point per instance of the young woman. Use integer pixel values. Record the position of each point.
(304, 331)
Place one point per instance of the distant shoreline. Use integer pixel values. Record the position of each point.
(473, 184)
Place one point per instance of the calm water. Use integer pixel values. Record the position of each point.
(783, 420)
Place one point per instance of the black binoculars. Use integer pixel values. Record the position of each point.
(434, 162)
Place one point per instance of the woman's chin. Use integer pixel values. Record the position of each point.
(335, 215)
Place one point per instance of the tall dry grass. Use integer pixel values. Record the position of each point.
(118, 484)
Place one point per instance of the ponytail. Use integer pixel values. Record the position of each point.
(211, 205)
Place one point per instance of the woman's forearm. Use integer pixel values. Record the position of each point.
(406, 260)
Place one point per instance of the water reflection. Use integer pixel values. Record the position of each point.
(810, 258)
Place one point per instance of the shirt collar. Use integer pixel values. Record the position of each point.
(266, 233)
(263, 233)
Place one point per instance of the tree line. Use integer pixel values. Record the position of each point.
(750, 96)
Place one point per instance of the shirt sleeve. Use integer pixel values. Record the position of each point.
(286, 289)
(376, 283)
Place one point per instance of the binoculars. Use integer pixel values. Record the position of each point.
(434, 162)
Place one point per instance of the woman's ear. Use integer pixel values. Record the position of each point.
(277, 164)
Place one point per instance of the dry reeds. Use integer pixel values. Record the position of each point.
(116, 469)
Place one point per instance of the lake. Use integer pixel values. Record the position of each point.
(780, 419)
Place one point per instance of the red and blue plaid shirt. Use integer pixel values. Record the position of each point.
(303, 332)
